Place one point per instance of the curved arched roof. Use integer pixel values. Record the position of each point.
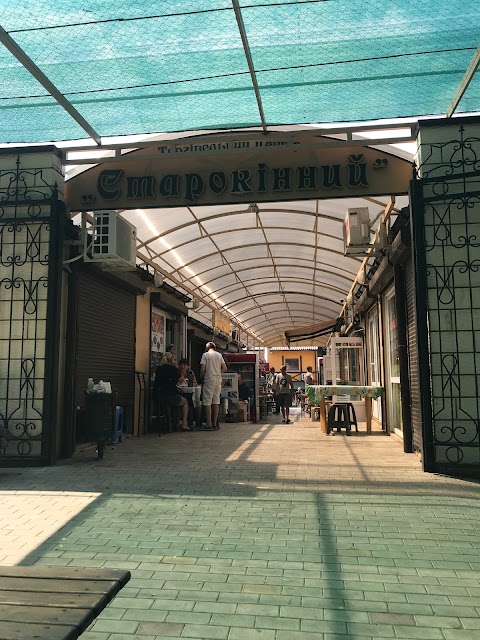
(280, 266)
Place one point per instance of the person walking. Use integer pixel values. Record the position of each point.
(271, 387)
(285, 389)
(212, 365)
(308, 382)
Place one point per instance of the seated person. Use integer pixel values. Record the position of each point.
(243, 390)
(190, 381)
(167, 377)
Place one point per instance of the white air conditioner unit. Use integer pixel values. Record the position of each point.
(114, 242)
(356, 229)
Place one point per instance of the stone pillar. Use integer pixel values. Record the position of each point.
(31, 241)
(446, 226)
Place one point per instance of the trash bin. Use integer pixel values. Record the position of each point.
(100, 419)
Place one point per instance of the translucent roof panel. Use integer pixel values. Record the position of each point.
(99, 68)
(272, 270)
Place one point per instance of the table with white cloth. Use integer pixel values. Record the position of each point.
(319, 392)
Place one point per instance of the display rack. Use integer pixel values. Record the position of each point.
(247, 365)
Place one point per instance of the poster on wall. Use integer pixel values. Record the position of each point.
(292, 364)
(230, 387)
(158, 332)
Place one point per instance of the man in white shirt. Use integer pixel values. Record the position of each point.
(212, 365)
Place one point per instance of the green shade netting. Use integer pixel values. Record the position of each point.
(135, 67)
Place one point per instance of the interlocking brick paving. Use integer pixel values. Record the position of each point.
(264, 532)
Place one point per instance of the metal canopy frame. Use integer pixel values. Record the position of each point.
(467, 78)
(290, 67)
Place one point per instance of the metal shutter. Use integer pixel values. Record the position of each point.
(413, 355)
(106, 337)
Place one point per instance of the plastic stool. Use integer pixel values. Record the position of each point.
(342, 415)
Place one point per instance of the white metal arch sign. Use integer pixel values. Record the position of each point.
(236, 170)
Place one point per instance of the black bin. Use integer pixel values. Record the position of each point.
(99, 418)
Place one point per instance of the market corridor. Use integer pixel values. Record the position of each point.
(267, 531)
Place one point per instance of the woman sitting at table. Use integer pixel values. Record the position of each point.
(167, 379)
(190, 382)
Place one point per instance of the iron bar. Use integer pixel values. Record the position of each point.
(40, 77)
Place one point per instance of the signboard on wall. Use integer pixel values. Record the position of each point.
(157, 332)
(221, 322)
(238, 168)
(230, 387)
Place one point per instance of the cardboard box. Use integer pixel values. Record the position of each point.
(242, 411)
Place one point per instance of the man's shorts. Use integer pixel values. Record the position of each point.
(284, 399)
(211, 391)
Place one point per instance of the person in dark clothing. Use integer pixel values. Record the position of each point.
(243, 389)
(167, 376)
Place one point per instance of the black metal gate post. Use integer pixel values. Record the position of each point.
(31, 237)
(446, 244)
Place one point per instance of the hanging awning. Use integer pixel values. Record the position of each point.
(92, 69)
(313, 331)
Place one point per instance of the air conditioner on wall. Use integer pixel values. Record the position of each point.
(114, 243)
(356, 229)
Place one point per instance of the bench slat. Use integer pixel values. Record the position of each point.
(95, 602)
(19, 631)
(52, 585)
(45, 615)
(74, 573)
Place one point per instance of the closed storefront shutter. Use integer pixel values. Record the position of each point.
(106, 337)
(413, 357)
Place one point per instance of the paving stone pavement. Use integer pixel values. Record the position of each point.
(257, 532)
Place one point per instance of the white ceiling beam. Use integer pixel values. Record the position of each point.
(10, 44)
(331, 143)
(219, 136)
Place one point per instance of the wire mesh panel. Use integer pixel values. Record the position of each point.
(176, 65)
(447, 236)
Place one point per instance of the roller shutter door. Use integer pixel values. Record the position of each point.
(413, 355)
(106, 337)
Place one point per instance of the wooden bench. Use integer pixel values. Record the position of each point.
(50, 603)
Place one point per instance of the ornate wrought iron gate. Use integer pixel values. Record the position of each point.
(446, 224)
(31, 241)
